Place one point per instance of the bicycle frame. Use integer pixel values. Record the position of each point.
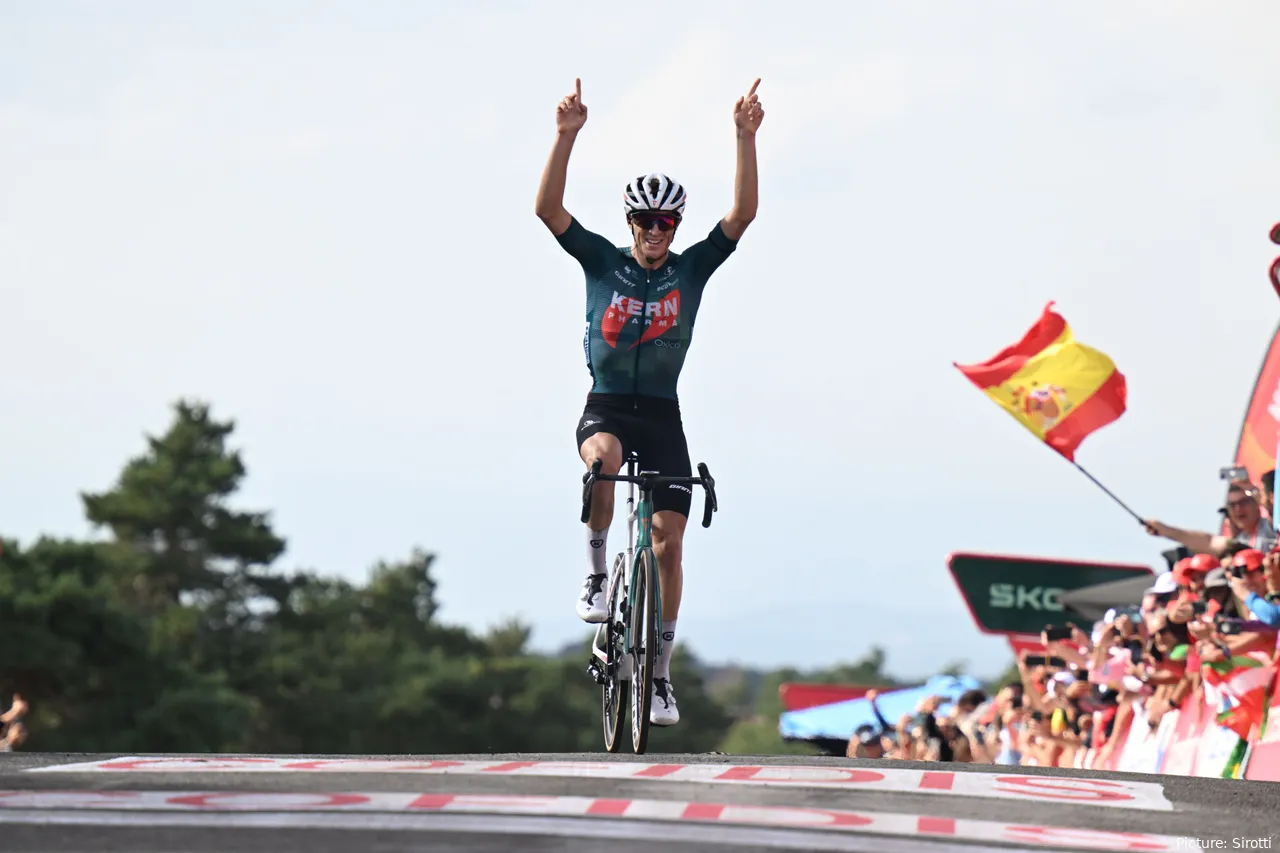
(639, 532)
(639, 517)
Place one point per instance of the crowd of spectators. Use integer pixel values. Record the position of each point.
(1212, 615)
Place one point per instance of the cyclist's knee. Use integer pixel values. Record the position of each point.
(606, 448)
(668, 534)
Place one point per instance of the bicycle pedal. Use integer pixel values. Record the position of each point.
(595, 671)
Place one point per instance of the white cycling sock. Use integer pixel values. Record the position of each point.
(662, 667)
(596, 540)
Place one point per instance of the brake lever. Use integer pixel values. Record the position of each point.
(710, 505)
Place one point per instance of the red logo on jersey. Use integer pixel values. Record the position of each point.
(656, 318)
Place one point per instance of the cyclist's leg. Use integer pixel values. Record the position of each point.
(598, 438)
(661, 445)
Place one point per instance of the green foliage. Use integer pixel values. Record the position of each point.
(176, 634)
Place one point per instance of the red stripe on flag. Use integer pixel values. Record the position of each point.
(1101, 408)
(1004, 364)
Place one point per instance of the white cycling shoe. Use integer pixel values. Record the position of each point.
(662, 704)
(592, 606)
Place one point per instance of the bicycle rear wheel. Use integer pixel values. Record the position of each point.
(614, 691)
(644, 639)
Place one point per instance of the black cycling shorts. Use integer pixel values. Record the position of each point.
(651, 428)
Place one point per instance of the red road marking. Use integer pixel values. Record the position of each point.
(936, 780)
(936, 825)
(432, 801)
(202, 801)
(1065, 788)
(510, 766)
(609, 807)
(657, 771)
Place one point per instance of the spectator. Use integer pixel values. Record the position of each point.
(1268, 492)
(12, 729)
(1156, 599)
(1217, 589)
(1255, 580)
(1245, 514)
(869, 741)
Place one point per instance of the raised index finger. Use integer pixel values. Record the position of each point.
(577, 87)
(753, 87)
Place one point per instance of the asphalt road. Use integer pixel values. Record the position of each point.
(52, 803)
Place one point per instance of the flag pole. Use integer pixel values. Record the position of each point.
(1122, 504)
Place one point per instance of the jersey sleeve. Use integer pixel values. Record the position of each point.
(706, 256)
(590, 250)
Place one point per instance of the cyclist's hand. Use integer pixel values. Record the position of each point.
(748, 112)
(571, 113)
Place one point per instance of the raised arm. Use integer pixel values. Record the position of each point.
(571, 115)
(748, 112)
(1194, 540)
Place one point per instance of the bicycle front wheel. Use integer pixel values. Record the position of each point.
(614, 691)
(644, 640)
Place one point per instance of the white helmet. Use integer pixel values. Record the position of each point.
(654, 191)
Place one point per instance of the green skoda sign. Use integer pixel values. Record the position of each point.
(1020, 595)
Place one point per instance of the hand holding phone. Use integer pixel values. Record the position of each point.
(1228, 625)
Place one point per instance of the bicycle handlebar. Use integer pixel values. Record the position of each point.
(648, 482)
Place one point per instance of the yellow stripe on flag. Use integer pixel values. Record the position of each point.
(1053, 384)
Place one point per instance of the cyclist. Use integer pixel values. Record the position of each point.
(641, 302)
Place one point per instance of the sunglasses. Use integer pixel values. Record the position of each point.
(665, 222)
(1243, 502)
(1242, 571)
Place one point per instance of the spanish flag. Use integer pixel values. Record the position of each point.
(1053, 385)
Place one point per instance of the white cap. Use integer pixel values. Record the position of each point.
(1063, 678)
(1164, 585)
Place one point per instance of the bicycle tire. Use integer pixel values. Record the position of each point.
(644, 637)
(613, 694)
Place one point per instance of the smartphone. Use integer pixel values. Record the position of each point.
(1051, 662)
(1135, 653)
(1228, 625)
(1234, 473)
(1198, 607)
(1057, 632)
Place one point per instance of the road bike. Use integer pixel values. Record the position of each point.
(628, 642)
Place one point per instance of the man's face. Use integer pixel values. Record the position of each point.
(1255, 579)
(653, 233)
(1243, 509)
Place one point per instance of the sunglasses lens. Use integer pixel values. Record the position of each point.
(648, 220)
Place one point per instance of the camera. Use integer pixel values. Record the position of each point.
(1198, 607)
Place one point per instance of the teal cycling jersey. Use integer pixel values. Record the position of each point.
(640, 321)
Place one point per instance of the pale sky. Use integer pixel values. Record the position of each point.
(319, 217)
